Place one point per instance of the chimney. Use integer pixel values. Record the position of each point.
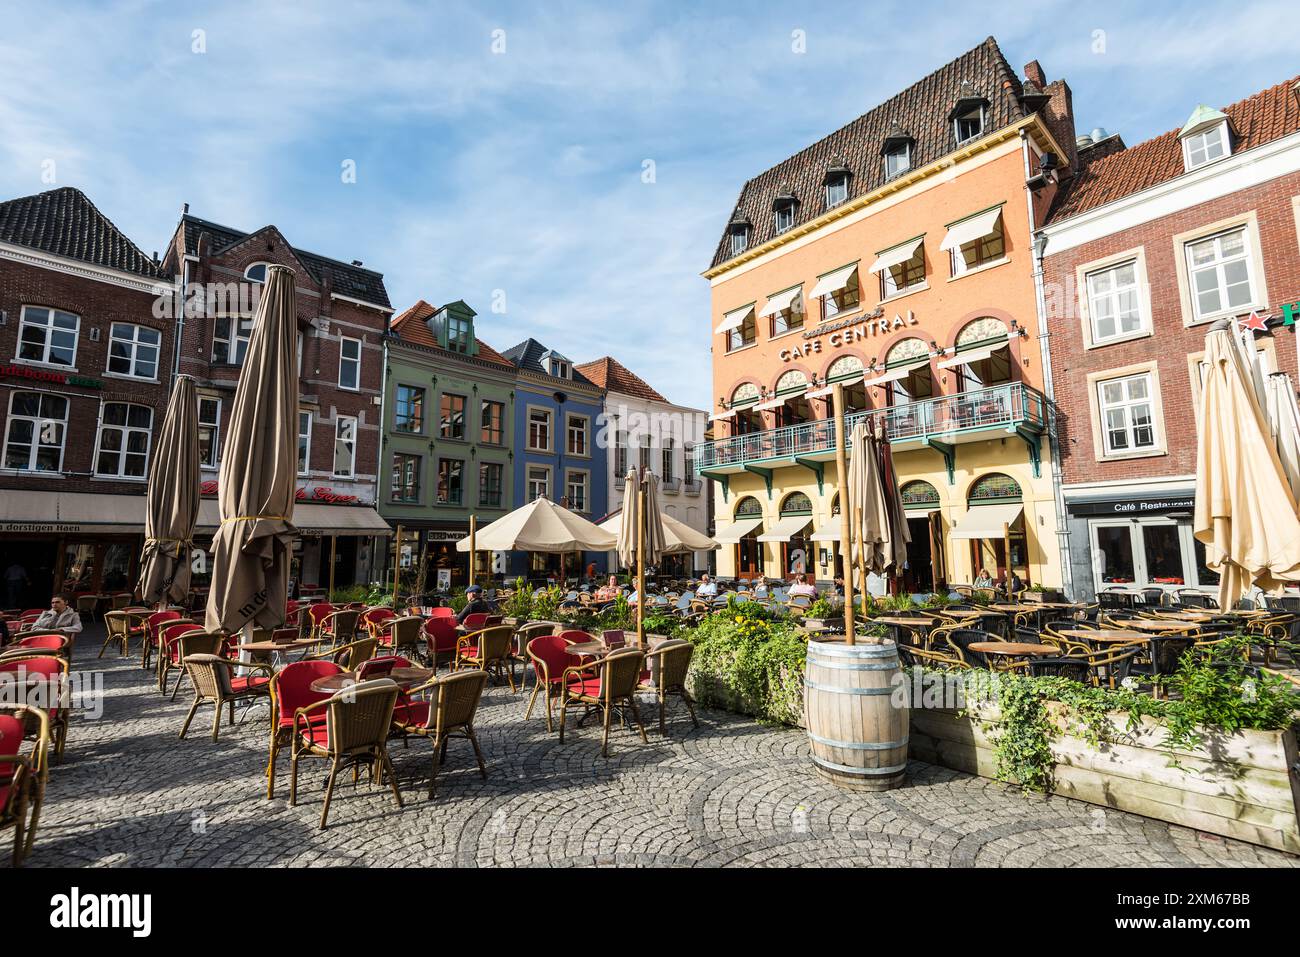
(1034, 72)
(1059, 116)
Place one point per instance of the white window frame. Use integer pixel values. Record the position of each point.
(338, 428)
(251, 267)
(1137, 547)
(37, 421)
(1086, 275)
(784, 212)
(243, 333)
(585, 475)
(1255, 266)
(1202, 141)
(739, 239)
(345, 360)
(584, 431)
(48, 328)
(1101, 440)
(889, 287)
(905, 151)
(215, 425)
(1218, 267)
(529, 468)
(126, 431)
(956, 125)
(840, 181)
(550, 429)
(558, 368)
(135, 346)
(957, 266)
(306, 458)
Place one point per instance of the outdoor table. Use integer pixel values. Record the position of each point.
(1106, 637)
(404, 678)
(897, 622)
(1014, 649)
(269, 646)
(1150, 624)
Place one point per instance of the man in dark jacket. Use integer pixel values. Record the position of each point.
(475, 604)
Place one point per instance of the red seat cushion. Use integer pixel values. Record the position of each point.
(469, 651)
(413, 712)
(11, 742)
(248, 683)
(586, 686)
(316, 717)
(315, 733)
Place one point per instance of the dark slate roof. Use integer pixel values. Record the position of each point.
(922, 110)
(64, 222)
(347, 280)
(528, 357)
(1266, 116)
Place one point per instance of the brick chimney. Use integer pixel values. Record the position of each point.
(1034, 72)
(1059, 116)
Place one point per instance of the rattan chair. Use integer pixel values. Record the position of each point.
(23, 775)
(291, 690)
(213, 682)
(37, 668)
(117, 627)
(401, 634)
(960, 640)
(193, 642)
(674, 660)
(914, 657)
(350, 656)
(355, 731)
(40, 642)
(448, 713)
(166, 637)
(340, 627)
(486, 650)
(602, 685)
(519, 645)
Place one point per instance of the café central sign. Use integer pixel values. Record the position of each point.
(838, 334)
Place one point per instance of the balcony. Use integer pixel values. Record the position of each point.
(691, 486)
(940, 423)
(670, 485)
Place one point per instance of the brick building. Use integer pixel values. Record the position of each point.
(1143, 250)
(343, 313)
(85, 372)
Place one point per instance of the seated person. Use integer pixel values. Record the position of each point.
(475, 604)
(801, 587)
(984, 579)
(608, 591)
(707, 588)
(60, 617)
(760, 586)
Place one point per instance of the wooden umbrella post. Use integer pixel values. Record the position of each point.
(397, 564)
(640, 562)
(846, 530)
(473, 555)
(334, 544)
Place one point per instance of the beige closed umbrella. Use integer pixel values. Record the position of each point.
(1245, 511)
(627, 521)
(1284, 423)
(641, 535)
(679, 538)
(869, 516)
(253, 546)
(172, 501)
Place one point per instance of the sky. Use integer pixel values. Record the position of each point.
(565, 168)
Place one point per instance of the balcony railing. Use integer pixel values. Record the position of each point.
(943, 420)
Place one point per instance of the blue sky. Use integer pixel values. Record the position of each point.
(522, 170)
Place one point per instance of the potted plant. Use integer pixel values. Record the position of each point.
(826, 613)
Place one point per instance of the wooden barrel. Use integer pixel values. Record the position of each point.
(857, 725)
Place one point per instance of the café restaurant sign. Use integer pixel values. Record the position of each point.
(836, 335)
(321, 493)
(47, 375)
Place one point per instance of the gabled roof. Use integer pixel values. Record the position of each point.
(346, 279)
(613, 376)
(412, 326)
(922, 110)
(64, 222)
(1266, 116)
(528, 356)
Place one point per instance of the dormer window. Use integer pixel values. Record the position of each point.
(738, 235)
(558, 366)
(452, 327)
(836, 184)
(783, 209)
(969, 125)
(460, 333)
(1206, 137)
(898, 160)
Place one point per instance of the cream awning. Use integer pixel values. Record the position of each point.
(734, 319)
(970, 355)
(46, 511)
(827, 533)
(719, 416)
(311, 519)
(902, 372)
(897, 255)
(986, 521)
(781, 301)
(785, 528)
(730, 534)
(971, 229)
(833, 281)
(768, 406)
(827, 390)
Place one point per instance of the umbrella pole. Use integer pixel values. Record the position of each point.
(473, 555)
(640, 565)
(334, 544)
(862, 560)
(846, 531)
(397, 564)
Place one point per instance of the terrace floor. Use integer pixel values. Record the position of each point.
(733, 793)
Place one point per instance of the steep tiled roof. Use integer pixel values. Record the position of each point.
(1268, 115)
(346, 279)
(528, 354)
(922, 110)
(412, 326)
(64, 222)
(612, 376)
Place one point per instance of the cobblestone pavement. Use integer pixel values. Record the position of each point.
(732, 793)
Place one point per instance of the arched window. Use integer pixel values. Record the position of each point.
(910, 360)
(749, 507)
(980, 331)
(796, 503)
(845, 367)
(919, 494)
(745, 394)
(992, 488)
(905, 351)
(256, 272)
(792, 381)
(983, 354)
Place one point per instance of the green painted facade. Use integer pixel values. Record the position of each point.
(440, 423)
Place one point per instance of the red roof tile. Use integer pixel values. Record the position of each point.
(613, 376)
(412, 326)
(1268, 115)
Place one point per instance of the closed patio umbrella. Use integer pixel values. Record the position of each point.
(253, 546)
(1245, 511)
(679, 538)
(641, 534)
(1284, 422)
(172, 501)
(876, 536)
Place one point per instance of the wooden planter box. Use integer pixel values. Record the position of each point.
(1242, 786)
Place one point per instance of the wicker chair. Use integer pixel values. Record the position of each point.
(449, 715)
(549, 661)
(38, 667)
(488, 649)
(340, 627)
(524, 634)
(373, 620)
(440, 637)
(349, 656)
(169, 658)
(291, 690)
(355, 731)
(960, 639)
(914, 657)
(602, 685)
(122, 600)
(152, 623)
(117, 626)
(213, 682)
(1076, 669)
(674, 659)
(196, 641)
(399, 634)
(40, 642)
(23, 776)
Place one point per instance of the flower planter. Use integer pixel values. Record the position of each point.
(1244, 786)
(825, 624)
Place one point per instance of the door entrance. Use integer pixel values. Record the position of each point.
(919, 575)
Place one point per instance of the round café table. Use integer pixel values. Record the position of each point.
(1012, 649)
(1151, 624)
(1110, 636)
(405, 678)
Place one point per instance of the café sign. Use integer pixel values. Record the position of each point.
(836, 335)
(319, 493)
(47, 375)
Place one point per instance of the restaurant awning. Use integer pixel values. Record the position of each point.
(902, 372)
(312, 519)
(719, 416)
(781, 301)
(730, 534)
(971, 355)
(827, 533)
(897, 255)
(971, 229)
(833, 281)
(987, 521)
(42, 511)
(827, 390)
(734, 319)
(785, 528)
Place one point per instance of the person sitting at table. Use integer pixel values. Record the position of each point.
(475, 604)
(760, 586)
(60, 617)
(801, 587)
(984, 579)
(609, 590)
(707, 587)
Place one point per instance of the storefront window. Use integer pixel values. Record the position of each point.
(1204, 576)
(1114, 555)
(1163, 553)
(117, 568)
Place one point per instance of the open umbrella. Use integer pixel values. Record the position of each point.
(1245, 511)
(172, 501)
(253, 545)
(540, 526)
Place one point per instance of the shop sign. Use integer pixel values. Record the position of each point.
(46, 375)
(446, 534)
(320, 493)
(846, 332)
(1133, 507)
